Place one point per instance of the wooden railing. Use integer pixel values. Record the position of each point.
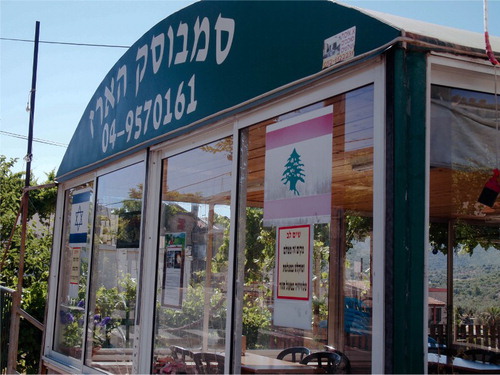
(477, 335)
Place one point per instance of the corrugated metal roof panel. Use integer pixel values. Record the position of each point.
(457, 37)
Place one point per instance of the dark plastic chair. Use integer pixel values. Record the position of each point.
(327, 361)
(482, 355)
(181, 353)
(293, 352)
(209, 363)
(344, 366)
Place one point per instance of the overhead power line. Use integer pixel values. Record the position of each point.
(66, 43)
(52, 143)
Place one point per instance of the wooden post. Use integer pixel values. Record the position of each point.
(336, 335)
(208, 277)
(17, 295)
(449, 290)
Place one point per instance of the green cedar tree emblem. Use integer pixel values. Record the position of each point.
(293, 171)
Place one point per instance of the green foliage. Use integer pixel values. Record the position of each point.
(107, 318)
(220, 261)
(191, 313)
(476, 280)
(110, 303)
(107, 301)
(471, 236)
(224, 145)
(72, 337)
(43, 201)
(129, 224)
(11, 186)
(492, 315)
(29, 349)
(468, 237)
(357, 228)
(37, 253)
(438, 237)
(128, 287)
(260, 250)
(255, 316)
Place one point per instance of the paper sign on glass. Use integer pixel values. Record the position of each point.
(298, 169)
(173, 271)
(79, 224)
(292, 301)
(293, 255)
(74, 277)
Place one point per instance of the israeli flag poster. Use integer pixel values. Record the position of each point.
(79, 226)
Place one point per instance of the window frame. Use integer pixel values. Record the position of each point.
(52, 356)
(370, 72)
(331, 84)
(454, 72)
(55, 267)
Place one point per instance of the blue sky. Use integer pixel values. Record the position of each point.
(68, 75)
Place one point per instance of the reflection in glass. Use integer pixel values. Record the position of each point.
(193, 248)
(69, 327)
(340, 307)
(112, 307)
(464, 234)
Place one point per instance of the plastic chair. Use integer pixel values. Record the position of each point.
(293, 351)
(344, 366)
(181, 353)
(327, 361)
(209, 363)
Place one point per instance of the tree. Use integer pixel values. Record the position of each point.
(37, 253)
(259, 251)
(129, 214)
(293, 171)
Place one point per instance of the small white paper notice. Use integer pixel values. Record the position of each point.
(339, 47)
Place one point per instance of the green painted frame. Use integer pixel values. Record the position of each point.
(407, 200)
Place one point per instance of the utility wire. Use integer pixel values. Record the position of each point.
(66, 43)
(52, 143)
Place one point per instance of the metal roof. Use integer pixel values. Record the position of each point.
(438, 35)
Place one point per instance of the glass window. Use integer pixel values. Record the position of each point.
(73, 271)
(115, 269)
(305, 229)
(464, 229)
(193, 249)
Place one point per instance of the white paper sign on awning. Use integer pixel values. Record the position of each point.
(339, 47)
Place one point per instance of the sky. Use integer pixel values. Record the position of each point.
(68, 75)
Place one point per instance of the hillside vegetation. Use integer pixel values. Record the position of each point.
(476, 278)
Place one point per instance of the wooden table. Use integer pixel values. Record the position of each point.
(455, 364)
(259, 364)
